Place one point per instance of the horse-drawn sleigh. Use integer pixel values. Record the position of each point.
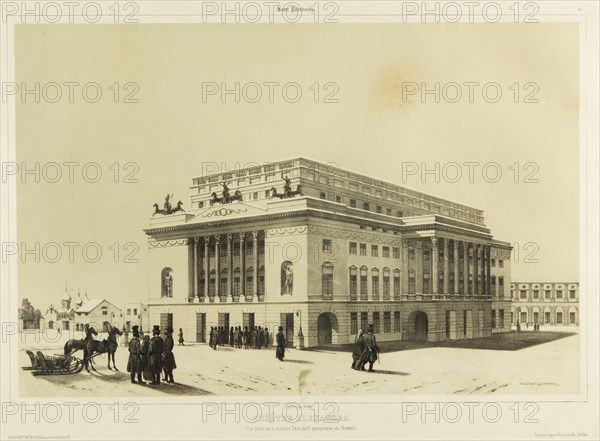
(67, 363)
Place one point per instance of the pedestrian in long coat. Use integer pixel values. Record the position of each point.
(168, 359)
(180, 337)
(359, 348)
(259, 338)
(280, 351)
(371, 350)
(145, 349)
(231, 342)
(155, 351)
(266, 341)
(134, 364)
(246, 337)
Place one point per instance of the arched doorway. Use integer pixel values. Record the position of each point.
(327, 328)
(421, 326)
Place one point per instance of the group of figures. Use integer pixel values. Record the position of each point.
(150, 356)
(257, 337)
(365, 350)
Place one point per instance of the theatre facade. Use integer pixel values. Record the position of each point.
(323, 252)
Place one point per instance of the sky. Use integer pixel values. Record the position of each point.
(166, 128)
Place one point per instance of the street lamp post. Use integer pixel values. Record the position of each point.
(300, 343)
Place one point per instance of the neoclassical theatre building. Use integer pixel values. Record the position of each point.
(323, 252)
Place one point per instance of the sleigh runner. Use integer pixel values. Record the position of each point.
(53, 364)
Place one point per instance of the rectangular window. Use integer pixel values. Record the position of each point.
(255, 195)
(388, 211)
(363, 287)
(374, 250)
(338, 199)
(386, 287)
(398, 214)
(396, 286)
(223, 286)
(363, 249)
(559, 294)
(327, 245)
(211, 287)
(366, 206)
(396, 252)
(364, 321)
(523, 294)
(323, 195)
(353, 248)
(493, 318)
(546, 317)
(536, 294)
(572, 294)
(353, 323)
(375, 287)
(249, 285)
(547, 294)
(572, 320)
(376, 323)
(396, 321)
(134, 311)
(559, 318)
(261, 285)
(387, 321)
(327, 282)
(501, 263)
(493, 262)
(236, 286)
(353, 284)
(352, 203)
(128, 311)
(104, 312)
(379, 209)
(385, 251)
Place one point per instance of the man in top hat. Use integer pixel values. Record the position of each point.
(155, 351)
(134, 364)
(371, 350)
(168, 359)
(280, 338)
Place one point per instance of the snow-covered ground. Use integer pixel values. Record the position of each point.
(550, 368)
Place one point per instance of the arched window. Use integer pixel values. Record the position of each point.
(386, 283)
(236, 282)
(223, 283)
(375, 283)
(397, 284)
(250, 281)
(287, 277)
(353, 282)
(166, 282)
(327, 280)
(363, 283)
(261, 281)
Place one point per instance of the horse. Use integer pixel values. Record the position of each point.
(157, 210)
(112, 345)
(108, 345)
(288, 194)
(73, 346)
(178, 208)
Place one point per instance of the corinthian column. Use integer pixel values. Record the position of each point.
(419, 267)
(218, 265)
(243, 264)
(230, 265)
(466, 268)
(255, 245)
(434, 266)
(446, 268)
(206, 267)
(456, 268)
(196, 260)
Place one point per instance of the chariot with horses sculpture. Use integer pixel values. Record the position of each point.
(287, 190)
(67, 363)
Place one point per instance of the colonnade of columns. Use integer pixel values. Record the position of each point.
(214, 262)
(422, 276)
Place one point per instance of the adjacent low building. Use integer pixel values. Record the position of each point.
(323, 252)
(545, 303)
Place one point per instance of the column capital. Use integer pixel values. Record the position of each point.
(434, 241)
(218, 239)
(418, 244)
(196, 241)
(229, 238)
(446, 244)
(242, 236)
(255, 235)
